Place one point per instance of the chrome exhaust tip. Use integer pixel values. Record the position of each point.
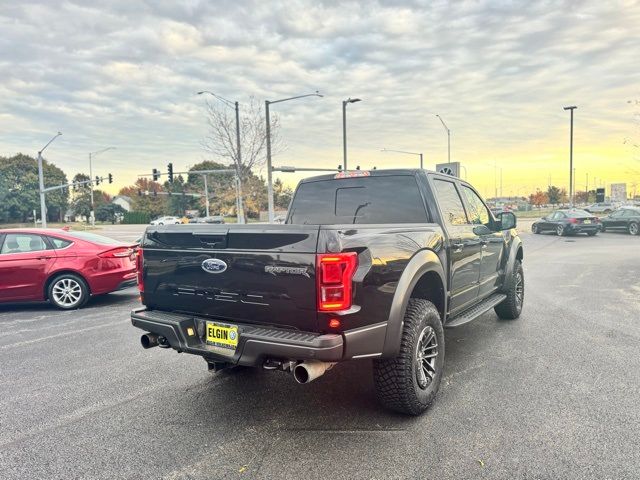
(149, 340)
(306, 372)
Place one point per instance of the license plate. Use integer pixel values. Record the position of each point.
(225, 336)
(587, 221)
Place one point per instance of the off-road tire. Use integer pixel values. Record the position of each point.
(58, 283)
(511, 307)
(395, 379)
(633, 228)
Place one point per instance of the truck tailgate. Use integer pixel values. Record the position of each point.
(261, 274)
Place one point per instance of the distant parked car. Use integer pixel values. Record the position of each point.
(217, 219)
(63, 267)
(567, 222)
(166, 221)
(627, 218)
(601, 207)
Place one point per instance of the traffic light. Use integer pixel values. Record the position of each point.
(110, 178)
(156, 174)
(170, 172)
(97, 180)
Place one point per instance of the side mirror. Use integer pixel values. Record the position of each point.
(481, 230)
(507, 220)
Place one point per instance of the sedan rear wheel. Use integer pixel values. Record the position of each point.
(560, 230)
(535, 229)
(68, 291)
(633, 228)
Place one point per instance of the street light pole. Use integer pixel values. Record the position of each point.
(344, 130)
(92, 215)
(238, 166)
(571, 109)
(43, 205)
(448, 138)
(271, 206)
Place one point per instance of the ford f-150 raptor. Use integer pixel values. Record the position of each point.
(369, 264)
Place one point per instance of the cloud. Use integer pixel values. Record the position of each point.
(124, 73)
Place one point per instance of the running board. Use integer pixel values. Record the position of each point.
(475, 311)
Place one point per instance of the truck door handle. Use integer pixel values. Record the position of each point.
(457, 247)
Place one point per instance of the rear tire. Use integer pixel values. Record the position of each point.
(68, 291)
(591, 234)
(560, 231)
(511, 307)
(535, 229)
(633, 228)
(409, 382)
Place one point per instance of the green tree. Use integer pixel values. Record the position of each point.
(109, 212)
(81, 203)
(19, 189)
(154, 204)
(282, 195)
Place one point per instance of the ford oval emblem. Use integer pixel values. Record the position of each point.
(214, 265)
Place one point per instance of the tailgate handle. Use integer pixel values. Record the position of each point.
(212, 240)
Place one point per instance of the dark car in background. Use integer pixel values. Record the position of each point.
(626, 219)
(63, 267)
(568, 222)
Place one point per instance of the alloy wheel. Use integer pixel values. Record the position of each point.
(67, 292)
(560, 230)
(426, 354)
(633, 228)
(519, 289)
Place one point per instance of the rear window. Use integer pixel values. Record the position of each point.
(579, 214)
(361, 200)
(92, 237)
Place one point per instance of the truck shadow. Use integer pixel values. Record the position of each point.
(341, 400)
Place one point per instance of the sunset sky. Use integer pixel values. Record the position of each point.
(125, 73)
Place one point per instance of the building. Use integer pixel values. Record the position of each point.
(618, 192)
(123, 201)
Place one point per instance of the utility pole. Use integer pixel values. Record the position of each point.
(43, 205)
(206, 195)
(571, 109)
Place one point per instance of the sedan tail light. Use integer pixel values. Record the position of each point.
(334, 277)
(139, 265)
(572, 220)
(120, 252)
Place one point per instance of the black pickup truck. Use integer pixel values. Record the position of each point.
(369, 264)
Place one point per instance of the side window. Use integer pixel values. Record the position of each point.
(22, 243)
(450, 203)
(59, 242)
(478, 213)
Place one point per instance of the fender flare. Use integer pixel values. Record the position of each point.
(421, 263)
(516, 245)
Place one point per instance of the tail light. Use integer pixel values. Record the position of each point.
(139, 265)
(334, 274)
(572, 220)
(120, 252)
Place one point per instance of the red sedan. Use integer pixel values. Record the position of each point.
(63, 267)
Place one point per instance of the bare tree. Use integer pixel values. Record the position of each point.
(220, 140)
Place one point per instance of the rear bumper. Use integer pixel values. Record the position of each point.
(580, 228)
(257, 344)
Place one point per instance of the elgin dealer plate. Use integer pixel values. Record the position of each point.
(225, 336)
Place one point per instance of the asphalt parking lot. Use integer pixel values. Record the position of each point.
(555, 394)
